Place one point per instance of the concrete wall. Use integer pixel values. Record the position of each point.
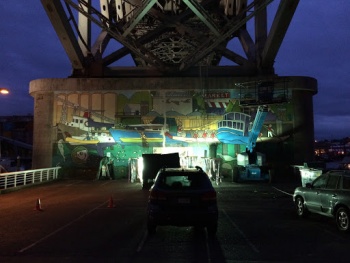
(43, 91)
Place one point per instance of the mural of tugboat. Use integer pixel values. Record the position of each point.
(89, 131)
(235, 128)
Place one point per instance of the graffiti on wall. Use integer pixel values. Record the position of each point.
(130, 123)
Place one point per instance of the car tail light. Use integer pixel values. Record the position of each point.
(209, 196)
(157, 195)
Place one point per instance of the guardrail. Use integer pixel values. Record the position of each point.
(22, 178)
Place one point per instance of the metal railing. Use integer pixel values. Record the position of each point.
(27, 177)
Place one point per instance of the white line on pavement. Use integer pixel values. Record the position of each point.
(241, 232)
(61, 228)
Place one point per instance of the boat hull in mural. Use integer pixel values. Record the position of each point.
(156, 138)
(75, 141)
(133, 136)
(231, 136)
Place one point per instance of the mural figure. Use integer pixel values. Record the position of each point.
(270, 131)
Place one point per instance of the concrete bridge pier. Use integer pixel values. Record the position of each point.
(43, 128)
(46, 112)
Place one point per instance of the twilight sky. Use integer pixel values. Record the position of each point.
(316, 45)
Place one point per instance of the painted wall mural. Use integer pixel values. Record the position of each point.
(126, 124)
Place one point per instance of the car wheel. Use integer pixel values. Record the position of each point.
(342, 219)
(211, 230)
(300, 207)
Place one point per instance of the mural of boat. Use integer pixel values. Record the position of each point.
(85, 123)
(89, 138)
(236, 128)
(84, 130)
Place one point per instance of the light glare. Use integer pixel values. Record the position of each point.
(4, 91)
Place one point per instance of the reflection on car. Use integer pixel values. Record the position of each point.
(182, 197)
(328, 195)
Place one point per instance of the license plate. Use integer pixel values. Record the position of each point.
(183, 200)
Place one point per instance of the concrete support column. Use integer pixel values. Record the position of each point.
(42, 130)
(303, 126)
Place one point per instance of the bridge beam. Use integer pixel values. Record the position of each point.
(278, 31)
(60, 22)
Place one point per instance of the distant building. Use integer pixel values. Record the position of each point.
(16, 138)
(330, 150)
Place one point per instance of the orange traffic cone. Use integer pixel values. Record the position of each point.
(38, 205)
(111, 203)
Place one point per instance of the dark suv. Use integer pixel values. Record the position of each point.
(182, 197)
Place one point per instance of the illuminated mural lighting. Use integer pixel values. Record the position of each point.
(128, 124)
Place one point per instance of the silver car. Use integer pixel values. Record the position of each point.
(327, 195)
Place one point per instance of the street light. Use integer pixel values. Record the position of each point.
(4, 91)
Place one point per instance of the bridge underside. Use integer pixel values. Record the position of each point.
(170, 38)
(134, 62)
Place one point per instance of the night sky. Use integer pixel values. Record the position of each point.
(316, 45)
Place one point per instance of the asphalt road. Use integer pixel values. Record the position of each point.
(104, 221)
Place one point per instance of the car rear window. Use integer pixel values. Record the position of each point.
(346, 182)
(332, 181)
(183, 180)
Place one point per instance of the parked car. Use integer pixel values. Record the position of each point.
(327, 195)
(182, 197)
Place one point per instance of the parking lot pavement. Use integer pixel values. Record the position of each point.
(285, 186)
